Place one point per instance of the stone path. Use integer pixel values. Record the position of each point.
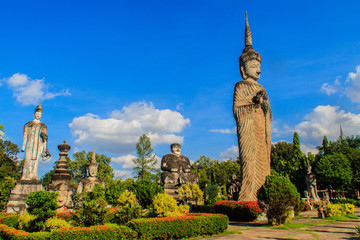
(328, 231)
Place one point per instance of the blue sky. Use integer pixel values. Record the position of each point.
(107, 72)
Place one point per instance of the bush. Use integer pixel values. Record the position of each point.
(185, 193)
(90, 213)
(55, 223)
(303, 206)
(348, 200)
(64, 215)
(239, 210)
(128, 209)
(279, 196)
(10, 233)
(145, 191)
(165, 205)
(10, 220)
(177, 227)
(203, 208)
(42, 205)
(317, 204)
(184, 208)
(94, 233)
(339, 209)
(25, 222)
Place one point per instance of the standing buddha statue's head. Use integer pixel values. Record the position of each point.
(38, 112)
(249, 61)
(93, 166)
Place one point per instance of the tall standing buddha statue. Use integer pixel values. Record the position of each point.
(252, 112)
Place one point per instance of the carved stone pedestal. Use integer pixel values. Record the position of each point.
(19, 194)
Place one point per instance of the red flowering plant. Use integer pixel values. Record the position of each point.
(239, 210)
(318, 204)
(177, 227)
(67, 216)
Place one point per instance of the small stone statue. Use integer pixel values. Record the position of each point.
(89, 182)
(252, 112)
(35, 139)
(310, 179)
(176, 168)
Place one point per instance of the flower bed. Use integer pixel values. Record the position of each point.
(339, 209)
(73, 233)
(189, 225)
(239, 210)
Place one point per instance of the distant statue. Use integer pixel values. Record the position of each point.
(89, 183)
(252, 112)
(310, 179)
(36, 142)
(233, 188)
(176, 168)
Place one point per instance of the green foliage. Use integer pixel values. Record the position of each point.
(239, 210)
(55, 223)
(348, 200)
(128, 208)
(197, 194)
(279, 196)
(165, 205)
(203, 208)
(78, 166)
(145, 191)
(215, 172)
(127, 198)
(212, 194)
(190, 225)
(25, 221)
(94, 233)
(334, 170)
(184, 208)
(1, 130)
(145, 164)
(10, 220)
(185, 193)
(42, 205)
(114, 188)
(6, 185)
(90, 213)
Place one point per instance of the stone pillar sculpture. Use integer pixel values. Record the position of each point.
(252, 112)
(177, 171)
(35, 140)
(61, 179)
(89, 183)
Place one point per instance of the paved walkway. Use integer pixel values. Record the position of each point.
(328, 231)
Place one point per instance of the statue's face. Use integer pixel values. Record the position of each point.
(176, 149)
(37, 115)
(252, 69)
(92, 171)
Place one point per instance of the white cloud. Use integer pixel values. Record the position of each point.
(125, 160)
(123, 174)
(326, 120)
(330, 89)
(305, 148)
(232, 152)
(180, 107)
(225, 131)
(31, 92)
(120, 133)
(353, 91)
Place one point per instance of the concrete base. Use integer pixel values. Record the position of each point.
(19, 194)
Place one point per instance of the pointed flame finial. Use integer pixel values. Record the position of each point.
(39, 108)
(93, 160)
(248, 39)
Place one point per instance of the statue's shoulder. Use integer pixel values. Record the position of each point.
(183, 157)
(168, 157)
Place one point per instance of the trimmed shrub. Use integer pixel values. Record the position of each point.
(64, 215)
(94, 233)
(279, 196)
(55, 223)
(165, 205)
(339, 209)
(203, 208)
(184, 208)
(25, 221)
(177, 227)
(10, 233)
(128, 209)
(10, 220)
(90, 213)
(239, 210)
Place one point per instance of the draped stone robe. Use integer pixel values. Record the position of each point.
(254, 137)
(35, 140)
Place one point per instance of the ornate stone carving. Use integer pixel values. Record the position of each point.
(310, 180)
(252, 112)
(176, 169)
(89, 183)
(61, 179)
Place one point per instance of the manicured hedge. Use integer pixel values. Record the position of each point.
(239, 210)
(73, 233)
(189, 225)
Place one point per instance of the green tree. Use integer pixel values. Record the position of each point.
(6, 185)
(185, 193)
(145, 191)
(334, 170)
(114, 188)
(146, 161)
(1, 130)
